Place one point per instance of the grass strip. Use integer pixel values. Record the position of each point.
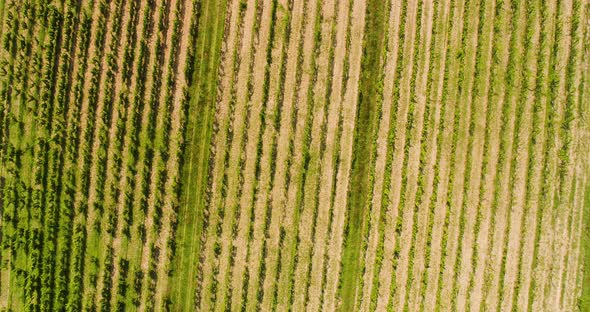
(208, 33)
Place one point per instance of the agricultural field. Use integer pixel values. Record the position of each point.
(294, 155)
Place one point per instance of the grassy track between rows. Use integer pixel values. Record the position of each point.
(215, 214)
(367, 121)
(209, 33)
(343, 183)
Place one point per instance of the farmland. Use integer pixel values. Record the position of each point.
(294, 155)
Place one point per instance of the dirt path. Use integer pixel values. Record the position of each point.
(568, 289)
(566, 168)
(542, 265)
(461, 160)
(150, 254)
(234, 165)
(476, 150)
(328, 162)
(381, 158)
(320, 91)
(255, 247)
(507, 170)
(219, 146)
(542, 278)
(99, 124)
(387, 269)
(304, 106)
(488, 186)
(520, 187)
(82, 146)
(533, 202)
(432, 97)
(350, 102)
(278, 193)
(70, 168)
(279, 188)
(413, 143)
(255, 107)
(447, 128)
(126, 175)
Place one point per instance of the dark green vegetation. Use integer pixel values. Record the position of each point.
(201, 114)
(362, 175)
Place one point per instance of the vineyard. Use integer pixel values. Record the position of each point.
(294, 155)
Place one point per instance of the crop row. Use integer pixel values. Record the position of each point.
(64, 190)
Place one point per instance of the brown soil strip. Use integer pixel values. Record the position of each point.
(328, 165)
(465, 104)
(414, 148)
(278, 193)
(100, 111)
(434, 99)
(439, 225)
(579, 135)
(142, 177)
(571, 289)
(568, 287)
(91, 54)
(297, 163)
(541, 269)
(81, 199)
(566, 185)
(503, 215)
(488, 184)
(234, 168)
(480, 100)
(520, 187)
(387, 270)
(155, 189)
(305, 227)
(255, 106)
(268, 139)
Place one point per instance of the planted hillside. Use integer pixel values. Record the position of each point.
(294, 155)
